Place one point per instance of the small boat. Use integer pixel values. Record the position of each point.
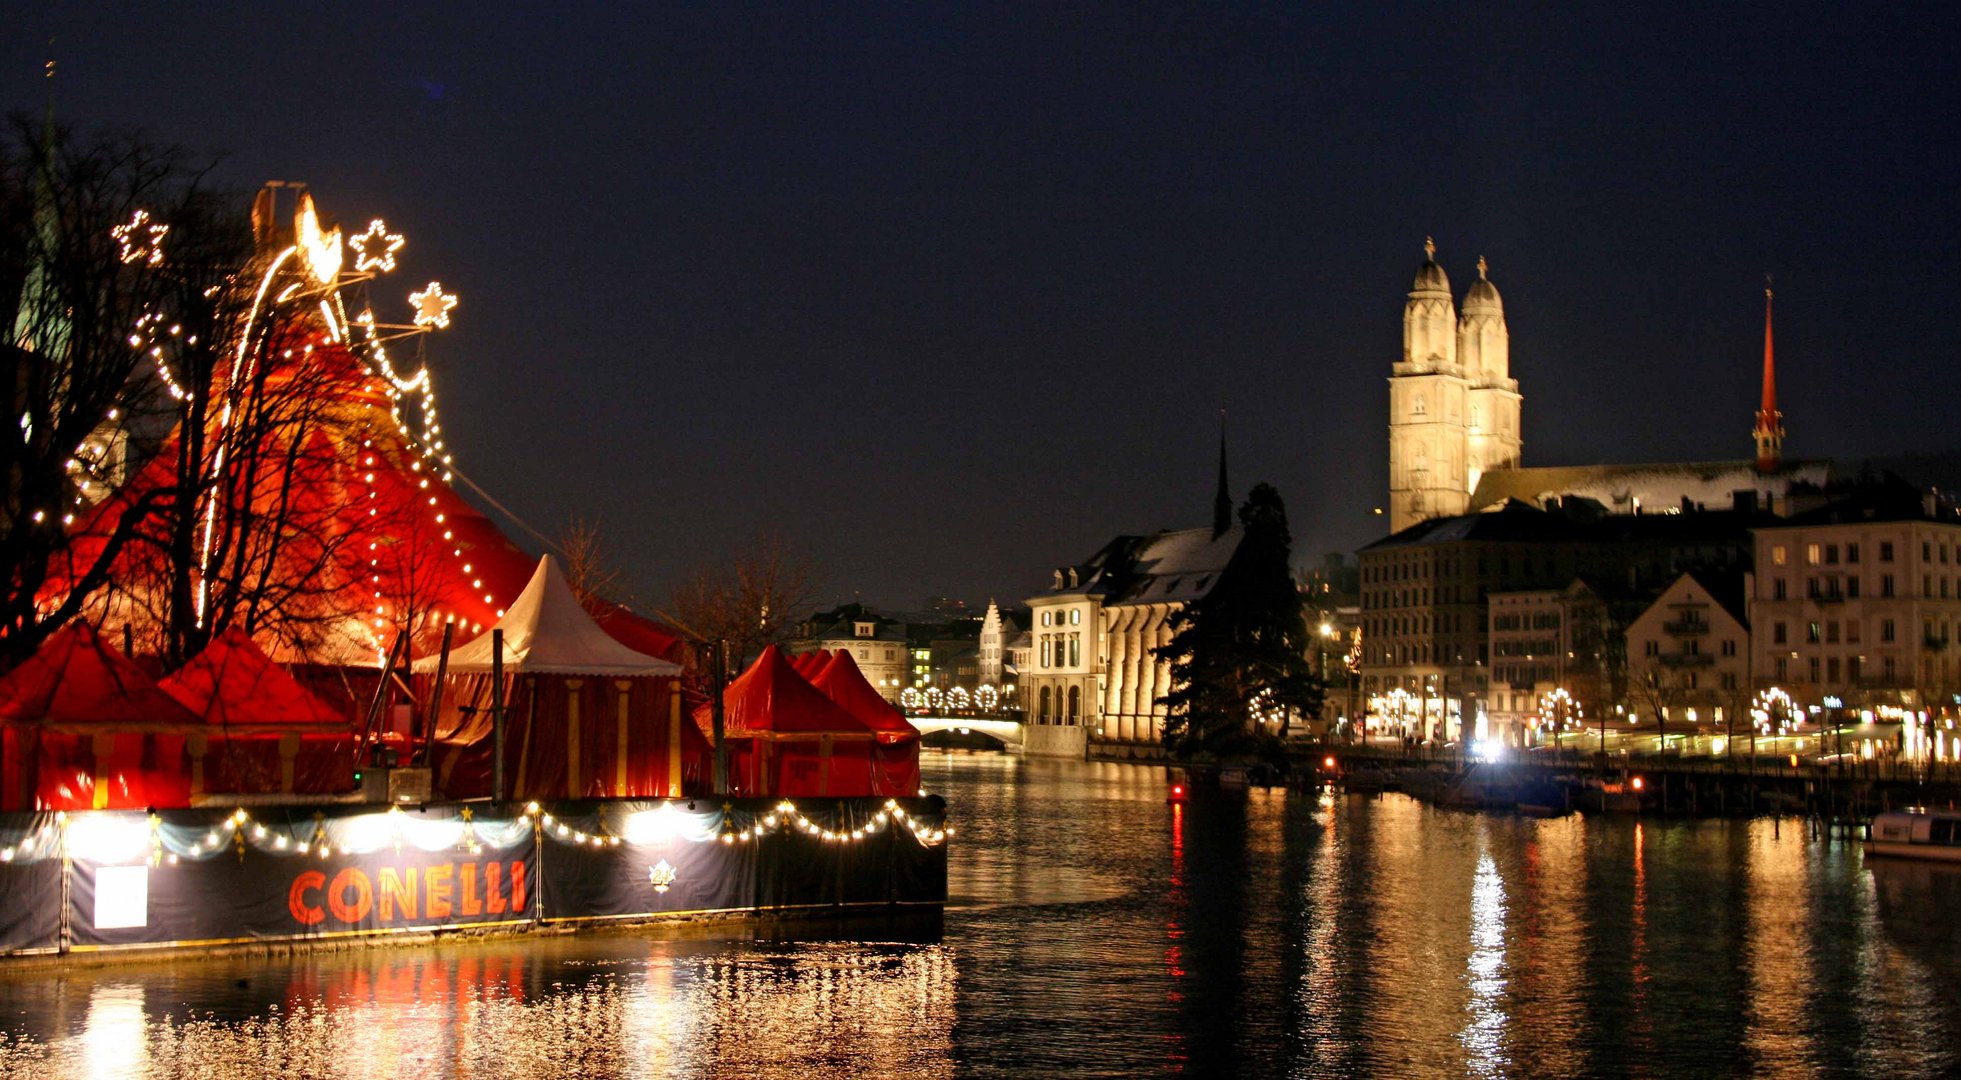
(1915, 834)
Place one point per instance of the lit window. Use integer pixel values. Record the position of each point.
(1779, 554)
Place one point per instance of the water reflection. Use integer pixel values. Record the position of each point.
(1098, 930)
(1483, 1037)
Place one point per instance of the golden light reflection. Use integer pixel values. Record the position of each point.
(1484, 1034)
(1777, 951)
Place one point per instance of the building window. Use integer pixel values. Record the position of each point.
(1886, 632)
(1852, 587)
(1886, 551)
(1852, 553)
(1813, 554)
(1885, 583)
(1654, 648)
(1777, 589)
(1075, 617)
(1831, 632)
(1729, 648)
(1045, 656)
(1045, 705)
(1075, 650)
(1811, 633)
(1831, 554)
(1779, 554)
(1075, 703)
(1729, 681)
(1777, 633)
(1852, 631)
(864, 654)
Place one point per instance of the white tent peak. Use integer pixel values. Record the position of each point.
(547, 631)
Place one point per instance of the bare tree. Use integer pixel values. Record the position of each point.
(597, 583)
(749, 598)
(95, 238)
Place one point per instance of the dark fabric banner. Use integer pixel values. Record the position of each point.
(362, 872)
(654, 878)
(30, 883)
(208, 876)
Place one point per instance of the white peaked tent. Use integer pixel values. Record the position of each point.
(547, 631)
(588, 716)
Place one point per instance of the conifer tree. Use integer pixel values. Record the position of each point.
(1238, 654)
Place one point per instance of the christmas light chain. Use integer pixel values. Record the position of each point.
(238, 829)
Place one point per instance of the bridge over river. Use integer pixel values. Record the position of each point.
(1008, 731)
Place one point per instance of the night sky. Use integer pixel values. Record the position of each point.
(946, 298)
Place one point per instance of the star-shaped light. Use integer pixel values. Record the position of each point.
(432, 305)
(140, 241)
(375, 249)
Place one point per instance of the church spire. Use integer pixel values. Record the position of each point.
(1770, 422)
(1222, 502)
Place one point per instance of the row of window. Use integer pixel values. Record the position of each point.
(1827, 631)
(1062, 650)
(1822, 554)
(1054, 618)
(1693, 647)
(1537, 620)
(1052, 704)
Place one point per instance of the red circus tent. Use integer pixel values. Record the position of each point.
(585, 715)
(85, 728)
(786, 738)
(265, 732)
(810, 663)
(896, 752)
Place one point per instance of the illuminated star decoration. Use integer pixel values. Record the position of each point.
(376, 248)
(141, 240)
(432, 305)
(662, 876)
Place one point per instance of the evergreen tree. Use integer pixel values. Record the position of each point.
(1238, 654)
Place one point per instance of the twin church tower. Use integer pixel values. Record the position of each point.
(1453, 405)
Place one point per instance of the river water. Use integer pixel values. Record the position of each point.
(1095, 930)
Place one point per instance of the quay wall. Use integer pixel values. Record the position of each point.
(108, 881)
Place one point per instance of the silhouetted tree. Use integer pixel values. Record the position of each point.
(1238, 654)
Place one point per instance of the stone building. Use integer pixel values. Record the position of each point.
(1541, 641)
(877, 642)
(1860, 600)
(1688, 655)
(1426, 594)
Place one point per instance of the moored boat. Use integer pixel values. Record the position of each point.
(1914, 834)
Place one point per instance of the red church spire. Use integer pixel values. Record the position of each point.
(1770, 422)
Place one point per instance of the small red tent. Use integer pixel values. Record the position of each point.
(896, 753)
(271, 734)
(787, 738)
(85, 728)
(810, 663)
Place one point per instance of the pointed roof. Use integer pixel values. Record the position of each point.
(771, 700)
(810, 663)
(845, 684)
(547, 631)
(233, 681)
(1222, 500)
(77, 679)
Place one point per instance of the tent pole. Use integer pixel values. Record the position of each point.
(715, 712)
(380, 695)
(496, 715)
(436, 701)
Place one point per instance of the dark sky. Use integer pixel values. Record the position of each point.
(949, 297)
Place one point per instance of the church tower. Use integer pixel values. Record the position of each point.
(1428, 391)
(1770, 423)
(1453, 404)
(1484, 347)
